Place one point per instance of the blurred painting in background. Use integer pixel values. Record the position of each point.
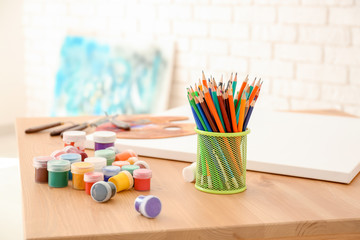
(121, 78)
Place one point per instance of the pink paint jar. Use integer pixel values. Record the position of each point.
(90, 178)
(142, 179)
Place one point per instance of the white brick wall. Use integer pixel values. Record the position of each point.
(306, 51)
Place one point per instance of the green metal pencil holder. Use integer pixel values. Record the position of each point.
(221, 162)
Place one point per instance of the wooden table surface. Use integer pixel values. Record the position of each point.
(273, 206)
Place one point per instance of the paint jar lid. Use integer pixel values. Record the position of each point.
(99, 162)
(57, 153)
(41, 161)
(111, 170)
(104, 137)
(108, 154)
(142, 164)
(130, 168)
(71, 157)
(150, 206)
(120, 163)
(58, 166)
(102, 191)
(93, 177)
(114, 149)
(142, 173)
(82, 167)
(74, 136)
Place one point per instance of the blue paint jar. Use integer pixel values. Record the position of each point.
(72, 158)
(110, 171)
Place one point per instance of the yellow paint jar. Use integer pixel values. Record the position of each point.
(78, 170)
(122, 181)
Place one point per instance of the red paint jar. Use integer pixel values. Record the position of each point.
(90, 178)
(142, 179)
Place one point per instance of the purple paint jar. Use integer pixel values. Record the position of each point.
(104, 139)
(149, 206)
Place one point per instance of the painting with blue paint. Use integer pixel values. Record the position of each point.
(121, 78)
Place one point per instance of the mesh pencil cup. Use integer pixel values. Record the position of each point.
(221, 162)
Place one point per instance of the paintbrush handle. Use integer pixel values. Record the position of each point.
(42, 127)
(58, 131)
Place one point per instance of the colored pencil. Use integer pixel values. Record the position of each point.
(216, 102)
(243, 85)
(207, 114)
(232, 110)
(242, 112)
(223, 111)
(234, 84)
(212, 108)
(253, 93)
(246, 121)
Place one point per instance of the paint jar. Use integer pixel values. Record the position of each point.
(72, 158)
(149, 206)
(122, 181)
(75, 138)
(40, 166)
(58, 171)
(130, 168)
(142, 179)
(57, 153)
(102, 191)
(90, 178)
(114, 149)
(120, 163)
(108, 154)
(99, 163)
(189, 173)
(104, 139)
(110, 171)
(132, 160)
(125, 155)
(78, 170)
(142, 164)
(72, 149)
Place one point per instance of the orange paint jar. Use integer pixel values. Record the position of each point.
(125, 155)
(78, 170)
(90, 178)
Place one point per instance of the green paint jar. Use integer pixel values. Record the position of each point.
(58, 173)
(106, 153)
(129, 168)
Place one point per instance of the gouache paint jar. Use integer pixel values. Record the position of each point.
(125, 155)
(110, 171)
(142, 179)
(132, 160)
(120, 163)
(57, 153)
(90, 178)
(58, 173)
(102, 191)
(130, 168)
(108, 154)
(123, 181)
(189, 173)
(104, 139)
(142, 164)
(75, 138)
(99, 163)
(149, 206)
(78, 170)
(40, 166)
(72, 149)
(72, 158)
(114, 149)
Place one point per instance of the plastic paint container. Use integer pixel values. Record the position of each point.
(58, 171)
(132, 160)
(108, 154)
(75, 138)
(72, 158)
(142, 179)
(130, 168)
(125, 155)
(122, 181)
(142, 164)
(99, 163)
(90, 178)
(104, 139)
(78, 170)
(114, 149)
(40, 165)
(72, 149)
(102, 191)
(120, 163)
(57, 153)
(189, 173)
(110, 171)
(149, 206)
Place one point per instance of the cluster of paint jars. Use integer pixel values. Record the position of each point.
(116, 171)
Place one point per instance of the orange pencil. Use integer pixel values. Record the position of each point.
(254, 91)
(243, 85)
(232, 108)
(242, 112)
(213, 111)
(204, 80)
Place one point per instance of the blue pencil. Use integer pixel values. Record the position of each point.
(207, 125)
(197, 121)
(248, 115)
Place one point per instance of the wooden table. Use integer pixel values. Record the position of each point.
(273, 206)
